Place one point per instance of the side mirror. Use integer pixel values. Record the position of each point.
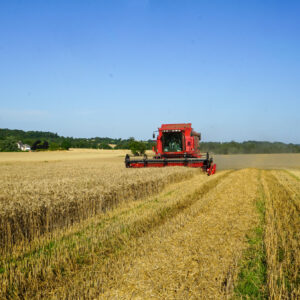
(153, 135)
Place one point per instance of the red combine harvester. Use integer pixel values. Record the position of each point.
(176, 145)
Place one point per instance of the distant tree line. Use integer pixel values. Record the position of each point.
(40, 140)
(249, 147)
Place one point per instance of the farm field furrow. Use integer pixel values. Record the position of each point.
(37, 198)
(291, 183)
(282, 238)
(59, 256)
(191, 255)
(79, 225)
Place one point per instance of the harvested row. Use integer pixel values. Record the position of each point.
(49, 262)
(282, 236)
(291, 183)
(37, 198)
(192, 255)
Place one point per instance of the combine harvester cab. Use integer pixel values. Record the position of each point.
(176, 145)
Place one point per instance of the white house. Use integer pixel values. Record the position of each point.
(23, 147)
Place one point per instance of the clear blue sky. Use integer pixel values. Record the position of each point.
(120, 68)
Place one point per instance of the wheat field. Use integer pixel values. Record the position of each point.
(79, 225)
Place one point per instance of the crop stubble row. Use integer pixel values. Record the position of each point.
(38, 198)
(66, 252)
(145, 239)
(193, 223)
(196, 253)
(282, 235)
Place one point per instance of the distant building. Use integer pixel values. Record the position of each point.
(23, 147)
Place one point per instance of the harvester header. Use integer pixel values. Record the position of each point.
(176, 145)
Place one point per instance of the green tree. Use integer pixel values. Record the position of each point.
(104, 146)
(66, 145)
(8, 145)
(38, 145)
(54, 146)
(137, 148)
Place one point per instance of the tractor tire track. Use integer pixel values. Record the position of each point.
(21, 222)
(289, 182)
(189, 256)
(108, 242)
(282, 238)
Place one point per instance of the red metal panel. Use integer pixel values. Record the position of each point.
(190, 145)
(181, 126)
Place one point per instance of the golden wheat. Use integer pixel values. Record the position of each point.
(282, 239)
(78, 224)
(39, 197)
(46, 260)
(190, 256)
